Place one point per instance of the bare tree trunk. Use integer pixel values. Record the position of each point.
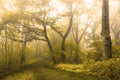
(51, 49)
(106, 30)
(64, 38)
(7, 54)
(23, 57)
(23, 47)
(48, 41)
(5, 45)
(63, 50)
(117, 41)
(76, 54)
(37, 47)
(77, 39)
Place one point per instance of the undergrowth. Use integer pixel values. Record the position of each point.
(100, 70)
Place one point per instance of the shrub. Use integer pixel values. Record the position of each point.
(116, 50)
(96, 51)
(100, 70)
(106, 70)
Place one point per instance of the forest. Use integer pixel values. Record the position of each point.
(59, 40)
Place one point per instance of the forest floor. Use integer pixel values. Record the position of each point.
(44, 73)
(38, 70)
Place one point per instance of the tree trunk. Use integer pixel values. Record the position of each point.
(51, 49)
(48, 41)
(76, 54)
(37, 47)
(117, 38)
(6, 50)
(64, 38)
(106, 30)
(77, 39)
(63, 50)
(23, 57)
(7, 54)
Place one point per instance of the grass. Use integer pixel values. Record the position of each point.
(101, 70)
(43, 73)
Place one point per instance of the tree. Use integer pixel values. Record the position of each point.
(70, 13)
(115, 27)
(106, 30)
(78, 37)
(43, 19)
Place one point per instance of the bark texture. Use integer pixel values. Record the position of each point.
(106, 30)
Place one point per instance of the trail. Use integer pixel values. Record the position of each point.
(42, 73)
